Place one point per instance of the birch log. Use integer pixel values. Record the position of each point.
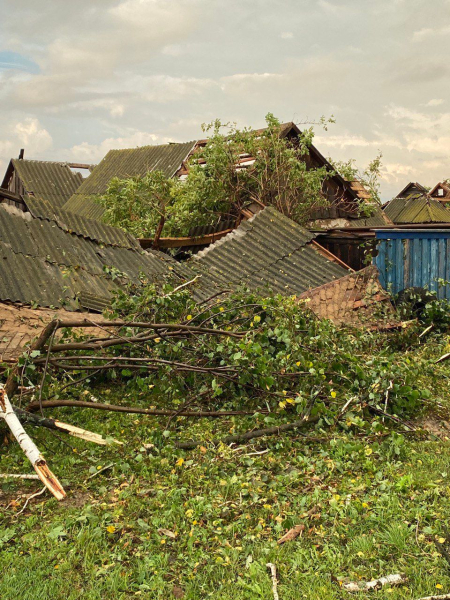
(29, 447)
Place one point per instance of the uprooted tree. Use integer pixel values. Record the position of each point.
(221, 181)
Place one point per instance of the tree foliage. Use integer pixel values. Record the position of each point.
(369, 176)
(217, 186)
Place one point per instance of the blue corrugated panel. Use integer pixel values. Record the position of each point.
(414, 258)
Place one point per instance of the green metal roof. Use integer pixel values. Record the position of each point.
(125, 164)
(51, 183)
(267, 252)
(417, 209)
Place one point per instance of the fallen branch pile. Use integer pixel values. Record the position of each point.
(235, 357)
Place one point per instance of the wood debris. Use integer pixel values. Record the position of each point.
(375, 584)
(291, 534)
(273, 572)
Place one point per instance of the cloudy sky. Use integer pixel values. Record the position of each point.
(79, 78)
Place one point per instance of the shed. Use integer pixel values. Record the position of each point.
(414, 258)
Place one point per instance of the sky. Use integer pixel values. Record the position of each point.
(80, 78)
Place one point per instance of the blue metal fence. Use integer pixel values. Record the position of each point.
(414, 258)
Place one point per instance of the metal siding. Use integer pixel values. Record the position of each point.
(414, 259)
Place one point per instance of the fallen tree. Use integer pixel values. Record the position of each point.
(237, 356)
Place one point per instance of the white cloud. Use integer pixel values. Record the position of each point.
(93, 153)
(286, 35)
(356, 141)
(435, 102)
(427, 32)
(394, 172)
(328, 7)
(35, 138)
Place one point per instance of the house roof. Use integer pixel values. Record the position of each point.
(417, 208)
(126, 163)
(442, 185)
(50, 183)
(46, 187)
(171, 159)
(378, 218)
(354, 188)
(356, 299)
(268, 252)
(43, 264)
(413, 187)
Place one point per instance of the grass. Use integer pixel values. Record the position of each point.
(370, 506)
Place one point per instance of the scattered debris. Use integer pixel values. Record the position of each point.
(273, 572)
(28, 446)
(167, 532)
(291, 534)
(375, 584)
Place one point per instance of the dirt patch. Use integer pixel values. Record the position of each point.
(76, 499)
(437, 427)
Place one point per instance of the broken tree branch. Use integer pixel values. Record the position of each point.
(375, 584)
(250, 435)
(140, 411)
(29, 448)
(54, 424)
(12, 382)
(19, 476)
(273, 573)
(35, 495)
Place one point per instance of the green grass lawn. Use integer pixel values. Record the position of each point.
(371, 506)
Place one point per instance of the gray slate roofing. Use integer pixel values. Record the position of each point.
(417, 209)
(378, 218)
(267, 252)
(47, 187)
(42, 264)
(52, 183)
(124, 164)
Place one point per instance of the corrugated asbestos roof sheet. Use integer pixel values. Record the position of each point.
(417, 209)
(50, 182)
(42, 264)
(377, 219)
(267, 252)
(48, 186)
(124, 164)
